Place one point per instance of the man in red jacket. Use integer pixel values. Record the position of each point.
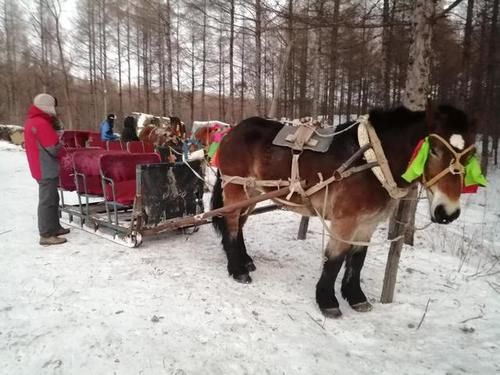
(42, 149)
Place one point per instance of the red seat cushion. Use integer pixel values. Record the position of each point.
(66, 171)
(86, 162)
(149, 147)
(81, 138)
(114, 146)
(135, 147)
(124, 190)
(96, 142)
(121, 169)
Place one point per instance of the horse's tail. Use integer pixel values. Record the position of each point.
(217, 201)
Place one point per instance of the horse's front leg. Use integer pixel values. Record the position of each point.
(335, 254)
(351, 283)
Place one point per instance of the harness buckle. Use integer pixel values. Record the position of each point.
(456, 167)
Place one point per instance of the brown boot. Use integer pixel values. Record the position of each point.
(61, 231)
(52, 240)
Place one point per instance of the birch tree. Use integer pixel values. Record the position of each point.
(414, 98)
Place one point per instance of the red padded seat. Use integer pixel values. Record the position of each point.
(66, 172)
(94, 135)
(149, 147)
(68, 138)
(115, 146)
(96, 142)
(81, 137)
(135, 147)
(121, 169)
(87, 163)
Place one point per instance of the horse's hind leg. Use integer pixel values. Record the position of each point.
(249, 264)
(232, 237)
(351, 288)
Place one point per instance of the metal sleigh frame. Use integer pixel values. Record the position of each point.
(169, 196)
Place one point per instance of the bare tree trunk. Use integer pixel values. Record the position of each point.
(145, 67)
(231, 62)
(129, 66)
(466, 56)
(55, 10)
(204, 58)
(138, 52)
(162, 34)
(258, 57)
(416, 90)
(242, 87)
(333, 67)
(221, 76)
(119, 50)
(386, 47)
(192, 76)
(90, 27)
(316, 51)
(177, 57)
(279, 81)
(170, 84)
(490, 88)
(105, 57)
(478, 94)
(94, 62)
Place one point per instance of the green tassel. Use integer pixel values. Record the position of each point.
(473, 174)
(417, 165)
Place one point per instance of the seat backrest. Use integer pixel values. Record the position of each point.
(114, 146)
(149, 147)
(96, 142)
(135, 147)
(94, 135)
(122, 166)
(86, 162)
(81, 137)
(68, 138)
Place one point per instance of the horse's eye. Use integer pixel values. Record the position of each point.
(434, 152)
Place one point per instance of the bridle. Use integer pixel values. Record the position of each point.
(455, 167)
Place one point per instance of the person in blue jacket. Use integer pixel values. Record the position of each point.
(107, 128)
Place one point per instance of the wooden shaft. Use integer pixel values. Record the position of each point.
(203, 218)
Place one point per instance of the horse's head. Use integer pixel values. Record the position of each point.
(451, 145)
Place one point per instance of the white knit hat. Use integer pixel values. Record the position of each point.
(46, 103)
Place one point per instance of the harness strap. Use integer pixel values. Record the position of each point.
(455, 167)
(295, 182)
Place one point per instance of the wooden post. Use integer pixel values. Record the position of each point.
(398, 227)
(304, 224)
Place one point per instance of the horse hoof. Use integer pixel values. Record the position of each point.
(332, 312)
(244, 278)
(362, 306)
(250, 266)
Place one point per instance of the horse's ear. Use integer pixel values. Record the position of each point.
(473, 125)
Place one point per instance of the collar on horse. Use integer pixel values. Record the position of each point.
(368, 136)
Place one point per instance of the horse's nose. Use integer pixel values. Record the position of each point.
(442, 217)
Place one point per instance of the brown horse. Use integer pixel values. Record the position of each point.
(354, 205)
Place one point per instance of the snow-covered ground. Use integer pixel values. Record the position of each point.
(94, 307)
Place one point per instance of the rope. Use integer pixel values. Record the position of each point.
(336, 132)
(355, 243)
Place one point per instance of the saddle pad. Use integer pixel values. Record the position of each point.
(316, 143)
